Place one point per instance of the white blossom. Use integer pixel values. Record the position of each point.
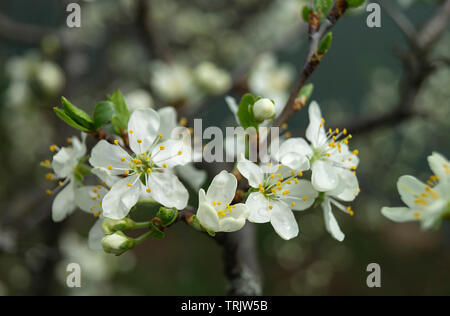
(146, 172)
(64, 165)
(215, 211)
(427, 202)
(278, 191)
(328, 153)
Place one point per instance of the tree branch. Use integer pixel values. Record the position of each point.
(241, 262)
(312, 62)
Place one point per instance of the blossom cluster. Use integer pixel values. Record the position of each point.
(144, 164)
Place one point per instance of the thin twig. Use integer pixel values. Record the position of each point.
(311, 62)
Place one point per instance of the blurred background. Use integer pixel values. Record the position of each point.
(190, 55)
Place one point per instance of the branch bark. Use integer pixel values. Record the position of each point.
(241, 262)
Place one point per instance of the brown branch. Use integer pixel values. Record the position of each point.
(241, 262)
(312, 62)
(434, 27)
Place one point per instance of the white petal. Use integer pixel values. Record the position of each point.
(79, 147)
(440, 166)
(206, 213)
(348, 186)
(251, 172)
(315, 133)
(194, 177)
(143, 125)
(105, 176)
(295, 145)
(298, 193)
(64, 162)
(118, 202)
(64, 203)
(105, 154)
(283, 221)
(167, 190)
(324, 177)
(399, 214)
(168, 121)
(230, 224)
(258, 207)
(222, 188)
(84, 198)
(175, 153)
(240, 211)
(331, 223)
(96, 235)
(409, 188)
(295, 161)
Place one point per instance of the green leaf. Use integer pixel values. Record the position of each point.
(245, 111)
(63, 116)
(355, 3)
(122, 114)
(305, 13)
(77, 114)
(323, 5)
(306, 91)
(325, 44)
(103, 113)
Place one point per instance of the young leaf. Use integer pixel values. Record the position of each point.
(325, 44)
(306, 91)
(77, 114)
(103, 113)
(245, 111)
(63, 116)
(323, 5)
(122, 114)
(355, 3)
(305, 13)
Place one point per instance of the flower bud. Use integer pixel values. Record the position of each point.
(263, 109)
(110, 226)
(117, 243)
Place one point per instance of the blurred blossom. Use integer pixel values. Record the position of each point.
(50, 77)
(172, 82)
(212, 79)
(8, 241)
(272, 80)
(97, 268)
(138, 99)
(17, 94)
(20, 68)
